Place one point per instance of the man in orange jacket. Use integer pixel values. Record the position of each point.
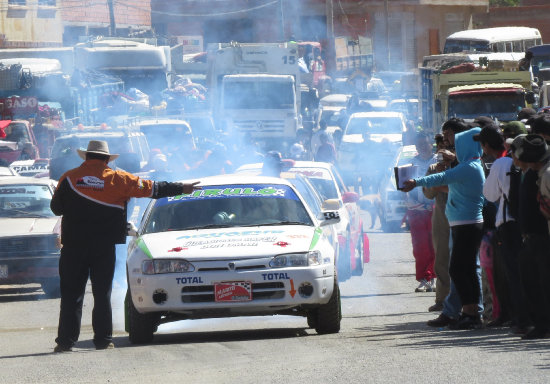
(92, 199)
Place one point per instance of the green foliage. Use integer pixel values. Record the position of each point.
(504, 3)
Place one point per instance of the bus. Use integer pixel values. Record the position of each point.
(500, 39)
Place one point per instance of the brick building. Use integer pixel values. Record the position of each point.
(531, 13)
(91, 18)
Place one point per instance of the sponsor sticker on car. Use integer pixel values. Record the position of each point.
(235, 291)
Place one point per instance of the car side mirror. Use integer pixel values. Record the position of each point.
(331, 205)
(131, 229)
(350, 197)
(330, 218)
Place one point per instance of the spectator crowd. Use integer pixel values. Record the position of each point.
(480, 224)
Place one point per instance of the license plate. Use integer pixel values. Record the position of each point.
(234, 291)
(3, 271)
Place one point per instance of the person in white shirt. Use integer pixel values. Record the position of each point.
(510, 294)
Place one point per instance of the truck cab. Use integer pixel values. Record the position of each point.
(243, 77)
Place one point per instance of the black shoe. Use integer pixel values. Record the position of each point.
(62, 348)
(437, 307)
(105, 346)
(441, 321)
(498, 322)
(535, 333)
(467, 322)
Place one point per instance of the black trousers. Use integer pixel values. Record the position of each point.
(462, 269)
(535, 273)
(511, 294)
(76, 264)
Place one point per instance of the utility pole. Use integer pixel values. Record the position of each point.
(282, 21)
(330, 57)
(387, 19)
(112, 25)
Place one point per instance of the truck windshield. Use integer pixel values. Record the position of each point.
(453, 46)
(500, 105)
(258, 95)
(543, 62)
(16, 132)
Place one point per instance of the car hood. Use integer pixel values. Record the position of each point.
(27, 226)
(376, 137)
(221, 243)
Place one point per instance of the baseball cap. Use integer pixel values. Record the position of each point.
(513, 128)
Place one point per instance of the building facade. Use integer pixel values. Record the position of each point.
(92, 18)
(30, 23)
(415, 28)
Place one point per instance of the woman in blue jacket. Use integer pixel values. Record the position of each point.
(464, 212)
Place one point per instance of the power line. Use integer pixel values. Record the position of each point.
(245, 10)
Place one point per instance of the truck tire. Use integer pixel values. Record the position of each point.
(141, 327)
(51, 288)
(329, 315)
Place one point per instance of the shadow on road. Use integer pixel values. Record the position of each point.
(12, 294)
(419, 336)
(216, 336)
(373, 295)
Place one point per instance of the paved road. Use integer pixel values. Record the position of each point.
(384, 339)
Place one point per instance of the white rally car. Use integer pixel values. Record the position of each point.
(242, 246)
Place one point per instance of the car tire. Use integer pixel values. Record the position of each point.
(358, 271)
(141, 327)
(329, 315)
(312, 318)
(344, 263)
(51, 288)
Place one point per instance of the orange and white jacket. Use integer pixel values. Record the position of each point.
(92, 199)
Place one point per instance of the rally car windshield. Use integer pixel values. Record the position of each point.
(228, 206)
(25, 201)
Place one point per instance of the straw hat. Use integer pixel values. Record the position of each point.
(99, 147)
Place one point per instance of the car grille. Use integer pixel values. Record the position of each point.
(27, 245)
(205, 293)
(237, 268)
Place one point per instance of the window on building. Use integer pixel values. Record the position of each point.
(17, 2)
(46, 3)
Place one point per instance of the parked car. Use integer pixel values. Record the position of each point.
(241, 246)
(14, 134)
(29, 239)
(353, 242)
(369, 145)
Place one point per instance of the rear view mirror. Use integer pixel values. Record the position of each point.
(530, 97)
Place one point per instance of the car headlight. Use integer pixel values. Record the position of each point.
(306, 259)
(151, 267)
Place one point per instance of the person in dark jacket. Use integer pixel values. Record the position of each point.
(92, 199)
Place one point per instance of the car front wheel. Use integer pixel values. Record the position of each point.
(329, 315)
(141, 327)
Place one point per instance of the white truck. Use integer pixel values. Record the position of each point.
(255, 90)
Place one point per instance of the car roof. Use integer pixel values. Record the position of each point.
(297, 164)
(239, 178)
(26, 180)
(376, 114)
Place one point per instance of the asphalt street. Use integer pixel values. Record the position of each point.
(383, 339)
